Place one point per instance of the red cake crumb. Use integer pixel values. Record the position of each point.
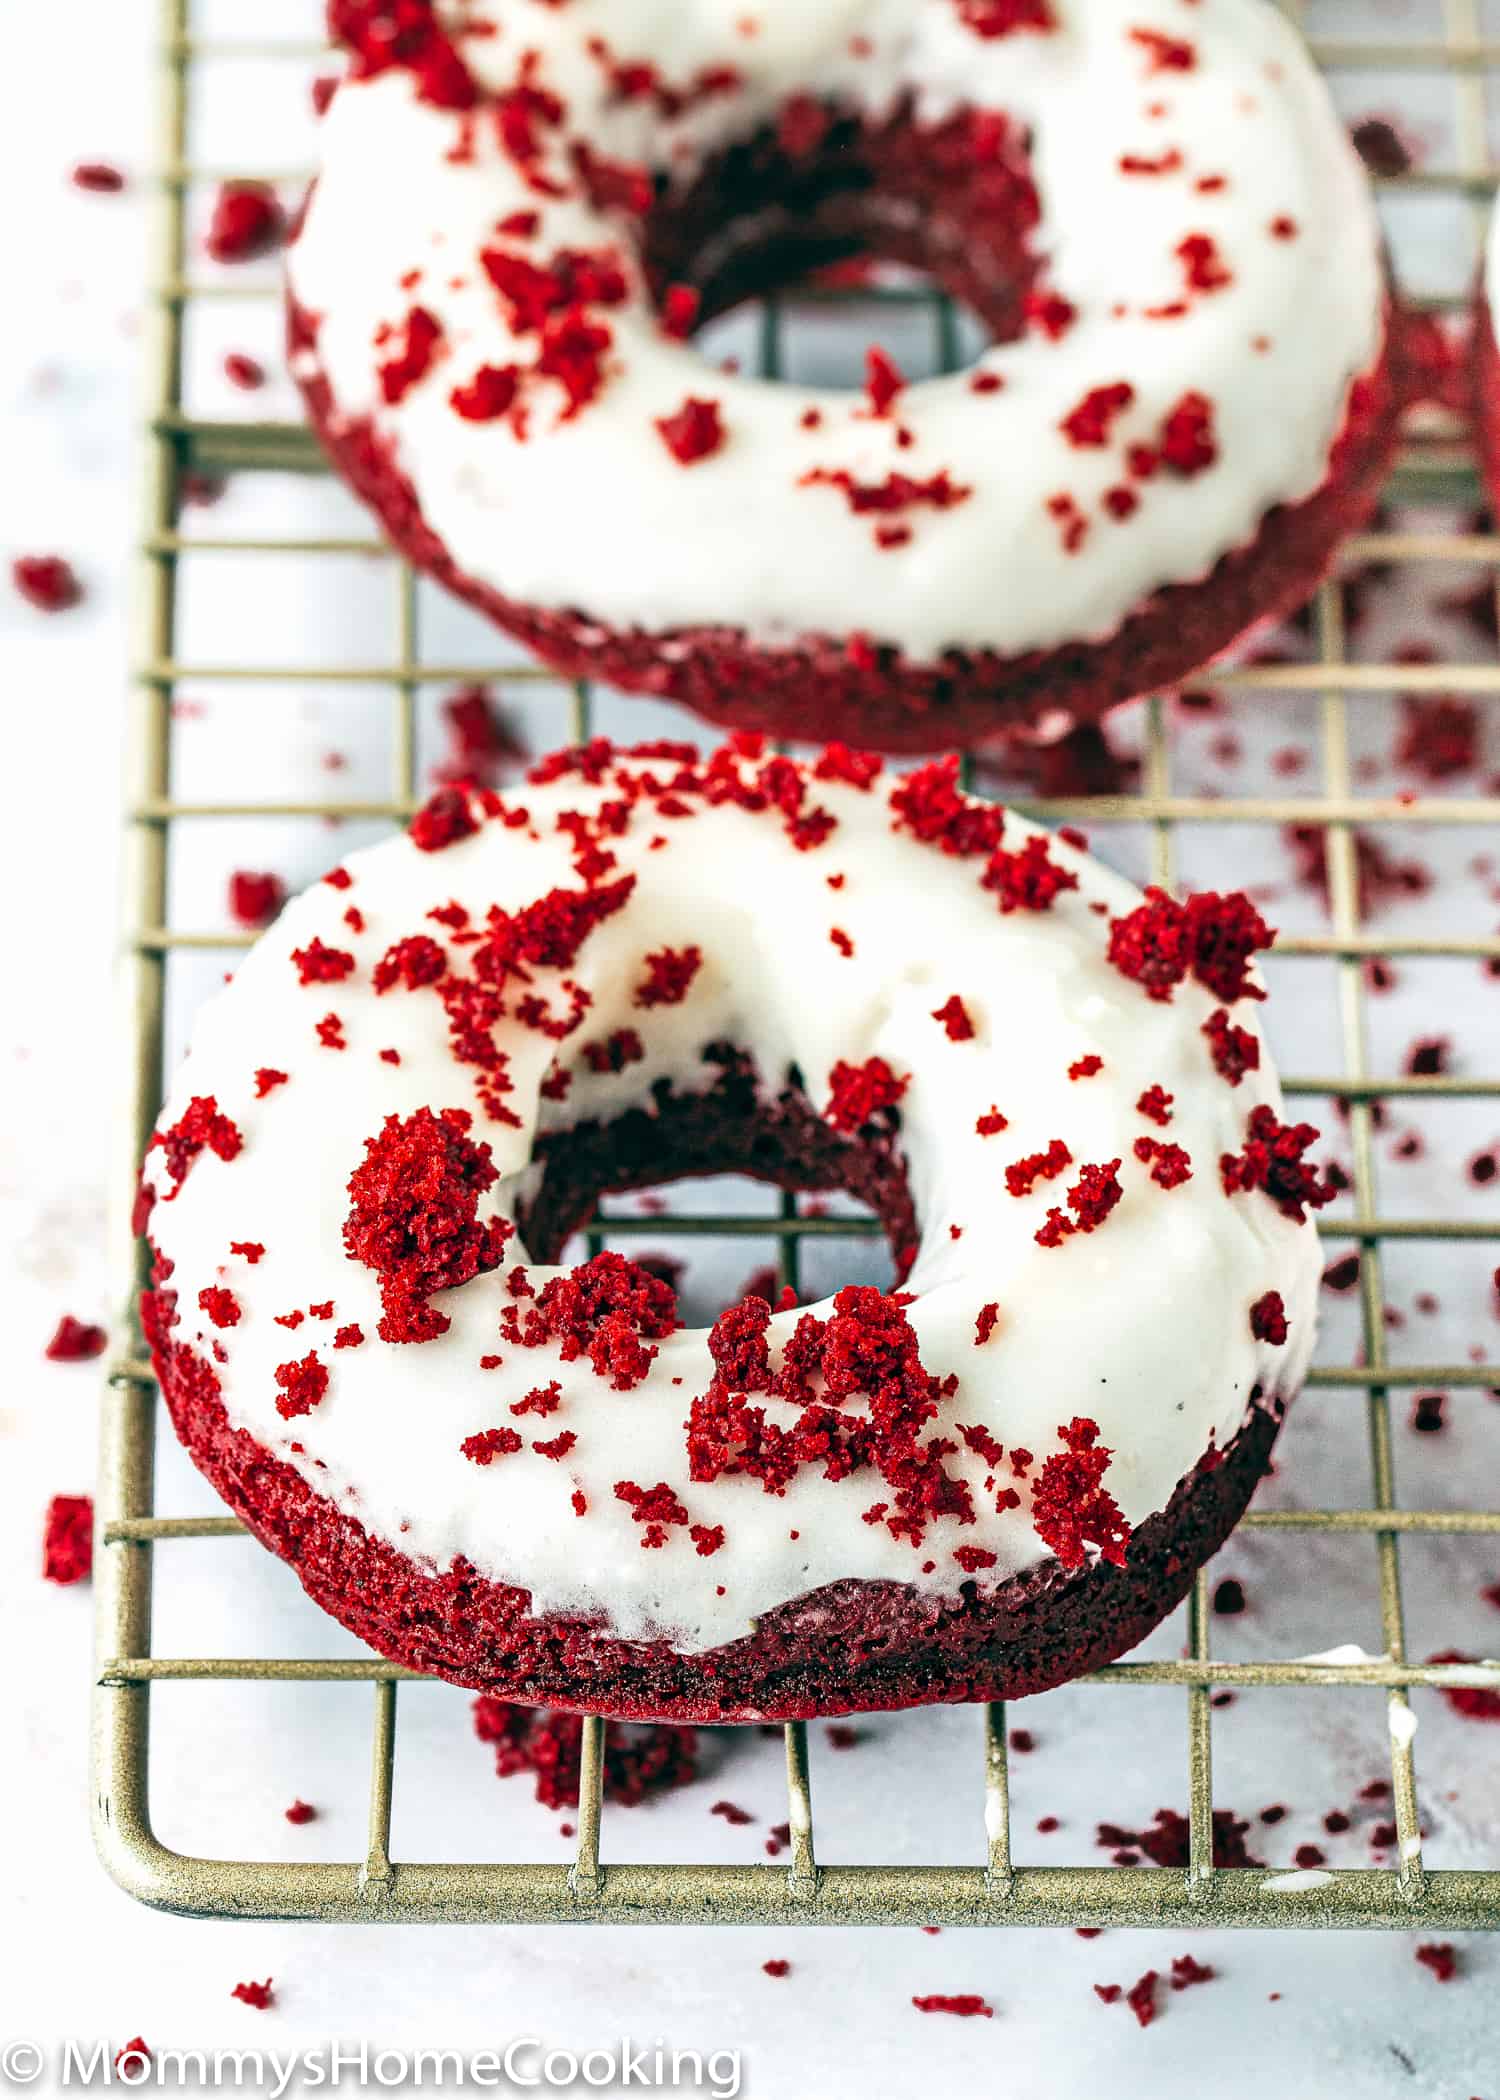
(46, 581)
(955, 1019)
(1156, 1105)
(221, 1306)
(1166, 1842)
(301, 1812)
(99, 176)
(415, 350)
(75, 1341)
(1106, 1993)
(778, 1968)
(1070, 1509)
(319, 964)
(695, 431)
(603, 1309)
(1170, 1165)
(1272, 1160)
(250, 1250)
(1187, 1971)
(1474, 1702)
(1229, 1601)
(490, 394)
(244, 372)
(928, 803)
(987, 1321)
(669, 974)
(639, 1762)
(1165, 54)
(991, 1123)
(482, 743)
(1022, 1175)
(255, 899)
(859, 1093)
(330, 1033)
(1091, 1199)
(1085, 1067)
(199, 1128)
(489, 1444)
(414, 1217)
(1209, 936)
(247, 222)
(1439, 736)
(1268, 1321)
(1235, 1051)
(1343, 1274)
(1441, 1957)
(258, 1995)
(964, 2004)
(1380, 878)
(1141, 1997)
(732, 1813)
(1029, 880)
(1428, 1413)
(68, 1539)
(1089, 424)
(303, 1386)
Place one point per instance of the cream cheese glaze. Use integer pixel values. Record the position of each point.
(1142, 1326)
(1152, 124)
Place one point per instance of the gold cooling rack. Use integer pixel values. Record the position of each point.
(134, 1537)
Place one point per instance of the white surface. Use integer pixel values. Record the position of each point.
(80, 1958)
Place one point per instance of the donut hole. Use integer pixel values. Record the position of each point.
(822, 188)
(738, 1126)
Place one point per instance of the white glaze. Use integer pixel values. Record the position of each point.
(594, 515)
(1142, 1325)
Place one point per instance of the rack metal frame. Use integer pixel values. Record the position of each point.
(991, 1890)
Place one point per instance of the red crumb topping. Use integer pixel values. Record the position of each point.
(74, 1341)
(303, 1386)
(695, 431)
(247, 222)
(737, 1817)
(414, 1219)
(320, 964)
(602, 1309)
(490, 394)
(255, 899)
(1273, 1161)
(669, 973)
(301, 1812)
(46, 581)
(1165, 54)
(1187, 441)
(1268, 1321)
(1203, 267)
(884, 379)
(655, 1509)
(1208, 936)
(638, 1761)
(1091, 1199)
(1166, 1843)
(895, 494)
(222, 1307)
(1089, 424)
(490, 1444)
(991, 1124)
(1085, 1067)
(260, 1995)
(1022, 1175)
(98, 176)
(955, 1019)
(1235, 1051)
(1029, 880)
(777, 1968)
(928, 803)
(1156, 1105)
(200, 1128)
(414, 350)
(443, 820)
(1439, 736)
(986, 1323)
(1070, 1508)
(964, 2003)
(68, 1539)
(1441, 1957)
(859, 1093)
(1170, 1165)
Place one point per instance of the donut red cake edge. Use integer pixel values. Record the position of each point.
(1484, 369)
(853, 689)
(851, 1646)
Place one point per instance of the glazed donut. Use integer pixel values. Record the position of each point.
(522, 213)
(530, 1477)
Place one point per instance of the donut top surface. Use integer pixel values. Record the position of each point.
(1113, 1253)
(1151, 199)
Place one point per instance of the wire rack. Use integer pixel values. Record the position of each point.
(990, 1890)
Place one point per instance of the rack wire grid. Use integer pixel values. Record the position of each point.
(991, 1890)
